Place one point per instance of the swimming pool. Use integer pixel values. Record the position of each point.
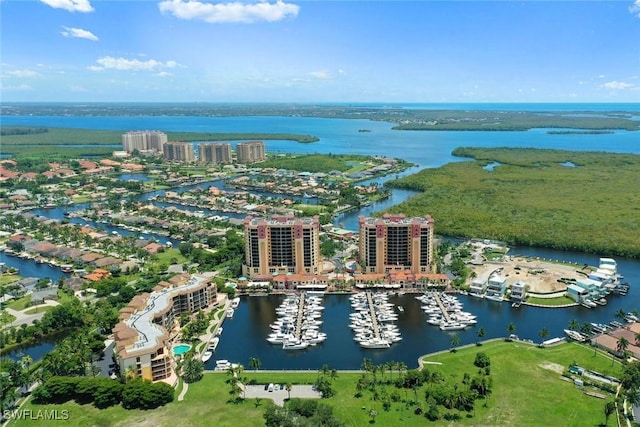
(180, 349)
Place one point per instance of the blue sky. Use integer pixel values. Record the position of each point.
(320, 51)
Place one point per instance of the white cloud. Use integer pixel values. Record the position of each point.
(23, 73)
(123, 64)
(601, 76)
(635, 8)
(321, 75)
(77, 88)
(616, 85)
(70, 5)
(79, 33)
(163, 74)
(215, 13)
(20, 88)
(327, 75)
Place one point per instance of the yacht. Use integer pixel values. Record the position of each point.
(206, 356)
(574, 335)
(230, 312)
(295, 345)
(213, 343)
(375, 343)
(452, 326)
(235, 302)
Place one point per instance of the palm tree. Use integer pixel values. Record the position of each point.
(511, 329)
(481, 333)
(334, 374)
(620, 314)
(574, 325)
(455, 341)
(325, 370)
(637, 338)
(544, 333)
(255, 363)
(366, 365)
(622, 346)
(609, 408)
(288, 387)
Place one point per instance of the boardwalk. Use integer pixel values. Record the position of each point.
(374, 319)
(445, 313)
(298, 331)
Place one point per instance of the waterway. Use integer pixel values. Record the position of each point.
(245, 335)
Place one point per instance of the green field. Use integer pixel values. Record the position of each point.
(527, 390)
(533, 198)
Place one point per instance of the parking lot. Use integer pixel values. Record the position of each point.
(279, 393)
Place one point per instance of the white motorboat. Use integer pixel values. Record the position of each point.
(206, 356)
(235, 302)
(375, 343)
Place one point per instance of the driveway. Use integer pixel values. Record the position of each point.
(278, 396)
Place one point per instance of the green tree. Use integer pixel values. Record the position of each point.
(511, 329)
(481, 333)
(192, 370)
(544, 333)
(574, 325)
(455, 341)
(609, 408)
(255, 363)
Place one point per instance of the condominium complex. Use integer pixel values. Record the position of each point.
(250, 152)
(281, 245)
(396, 243)
(179, 152)
(147, 140)
(149, 323)
(219, 152)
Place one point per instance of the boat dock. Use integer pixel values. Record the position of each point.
(445, 312)
(298, 331)
(374, 319)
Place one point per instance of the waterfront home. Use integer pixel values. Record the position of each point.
(577, 293)
(518, 291)
(496, 287)
(478, 286)
(596, 288)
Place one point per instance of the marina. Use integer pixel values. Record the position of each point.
(373, 320)
(298, 323)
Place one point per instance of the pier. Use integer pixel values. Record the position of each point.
(374, 319)
(445, 313)
(298, 331)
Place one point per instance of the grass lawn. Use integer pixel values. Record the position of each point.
(6, 318)
(41, 309)
(5, 279)
(563, 300)
(168, 255)
(527, 390)
(20, 303)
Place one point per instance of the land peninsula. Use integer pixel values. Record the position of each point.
(26, 141)
(569, 200)
(402, 118)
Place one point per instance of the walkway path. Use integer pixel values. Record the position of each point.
(185, 389)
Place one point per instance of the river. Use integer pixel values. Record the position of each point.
(245, 334)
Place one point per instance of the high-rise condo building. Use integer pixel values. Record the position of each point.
(396, 243)
(281, 245)
(179, 152)
(218, 152)
(250, 152)
(144, 141)
(149, 323)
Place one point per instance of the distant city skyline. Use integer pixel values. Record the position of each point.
(319, 51)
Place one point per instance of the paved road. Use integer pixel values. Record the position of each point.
(278, 396)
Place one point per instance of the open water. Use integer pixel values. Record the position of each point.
(245, 335)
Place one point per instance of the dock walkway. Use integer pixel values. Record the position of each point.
(298, 331)
(374, 319)
(445, 313)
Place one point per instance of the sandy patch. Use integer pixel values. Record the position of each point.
(552, 367)
(541, 276)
